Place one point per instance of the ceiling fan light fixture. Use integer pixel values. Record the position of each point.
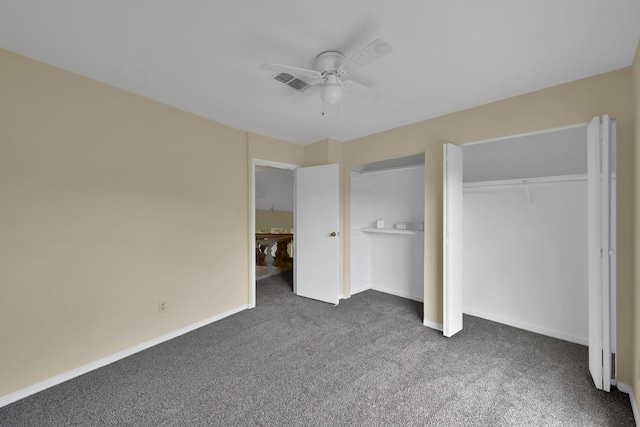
(331, 93)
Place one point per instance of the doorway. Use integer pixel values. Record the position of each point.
(271, 212)
(316, 213)
(274, 188)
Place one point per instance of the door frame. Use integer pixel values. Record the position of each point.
(252, 222)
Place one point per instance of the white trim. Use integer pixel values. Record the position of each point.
(390, 231)
(627, 389)
(360, 289)
(251, 303)
(432, 325)
(390, 169)
(520, 135)
(387, 291)
(528, 327)
(42, 385)
(271, 164)
(397, 293)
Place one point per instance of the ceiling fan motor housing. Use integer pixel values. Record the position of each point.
(329, 61)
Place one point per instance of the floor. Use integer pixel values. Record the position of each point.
(368, 361)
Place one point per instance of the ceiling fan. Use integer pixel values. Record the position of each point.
(330, 67)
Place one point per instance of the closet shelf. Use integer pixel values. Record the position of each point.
(389, 231)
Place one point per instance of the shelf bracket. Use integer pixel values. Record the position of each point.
(527, 190)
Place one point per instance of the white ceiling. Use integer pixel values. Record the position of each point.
(204, 56)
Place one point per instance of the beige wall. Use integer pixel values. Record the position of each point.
(635, 227)
(111, 203)
(323, 152)
(568, 104)
(274, 150)
(269, 219)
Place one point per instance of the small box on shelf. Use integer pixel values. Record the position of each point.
(403, 225)
(379, 223)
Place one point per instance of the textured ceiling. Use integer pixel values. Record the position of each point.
(204, 56)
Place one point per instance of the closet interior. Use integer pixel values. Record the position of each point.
(525, 232)
(387, 219)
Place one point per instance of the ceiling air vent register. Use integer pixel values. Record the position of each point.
(291, 81)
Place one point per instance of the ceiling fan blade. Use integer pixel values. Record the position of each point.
(306, 94)
(372, 52)
(291, 70)
(360, 90)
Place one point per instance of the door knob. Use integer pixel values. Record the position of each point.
(333, 234)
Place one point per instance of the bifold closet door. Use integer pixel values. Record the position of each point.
(452, 240)
(599, 250)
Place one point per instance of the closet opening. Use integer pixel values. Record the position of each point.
(525, 222)
(387, 223)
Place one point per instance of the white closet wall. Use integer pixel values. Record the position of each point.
(397, 195)
(389, 262)
(360, 242)
(525, 262)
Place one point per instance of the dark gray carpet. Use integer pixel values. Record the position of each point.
(367, 362)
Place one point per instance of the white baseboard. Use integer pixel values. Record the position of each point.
(360, 289)
(35, 388)
(428, 323)
(627, 389)
(432, 325)
(397, 293)
(387, 291)
(528, 327)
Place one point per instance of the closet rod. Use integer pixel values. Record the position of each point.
(541, 180)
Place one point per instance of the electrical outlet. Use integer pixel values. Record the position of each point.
(162, 307)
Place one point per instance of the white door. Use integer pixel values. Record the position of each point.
(452, 240)
(599, 250)
(316, 259)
